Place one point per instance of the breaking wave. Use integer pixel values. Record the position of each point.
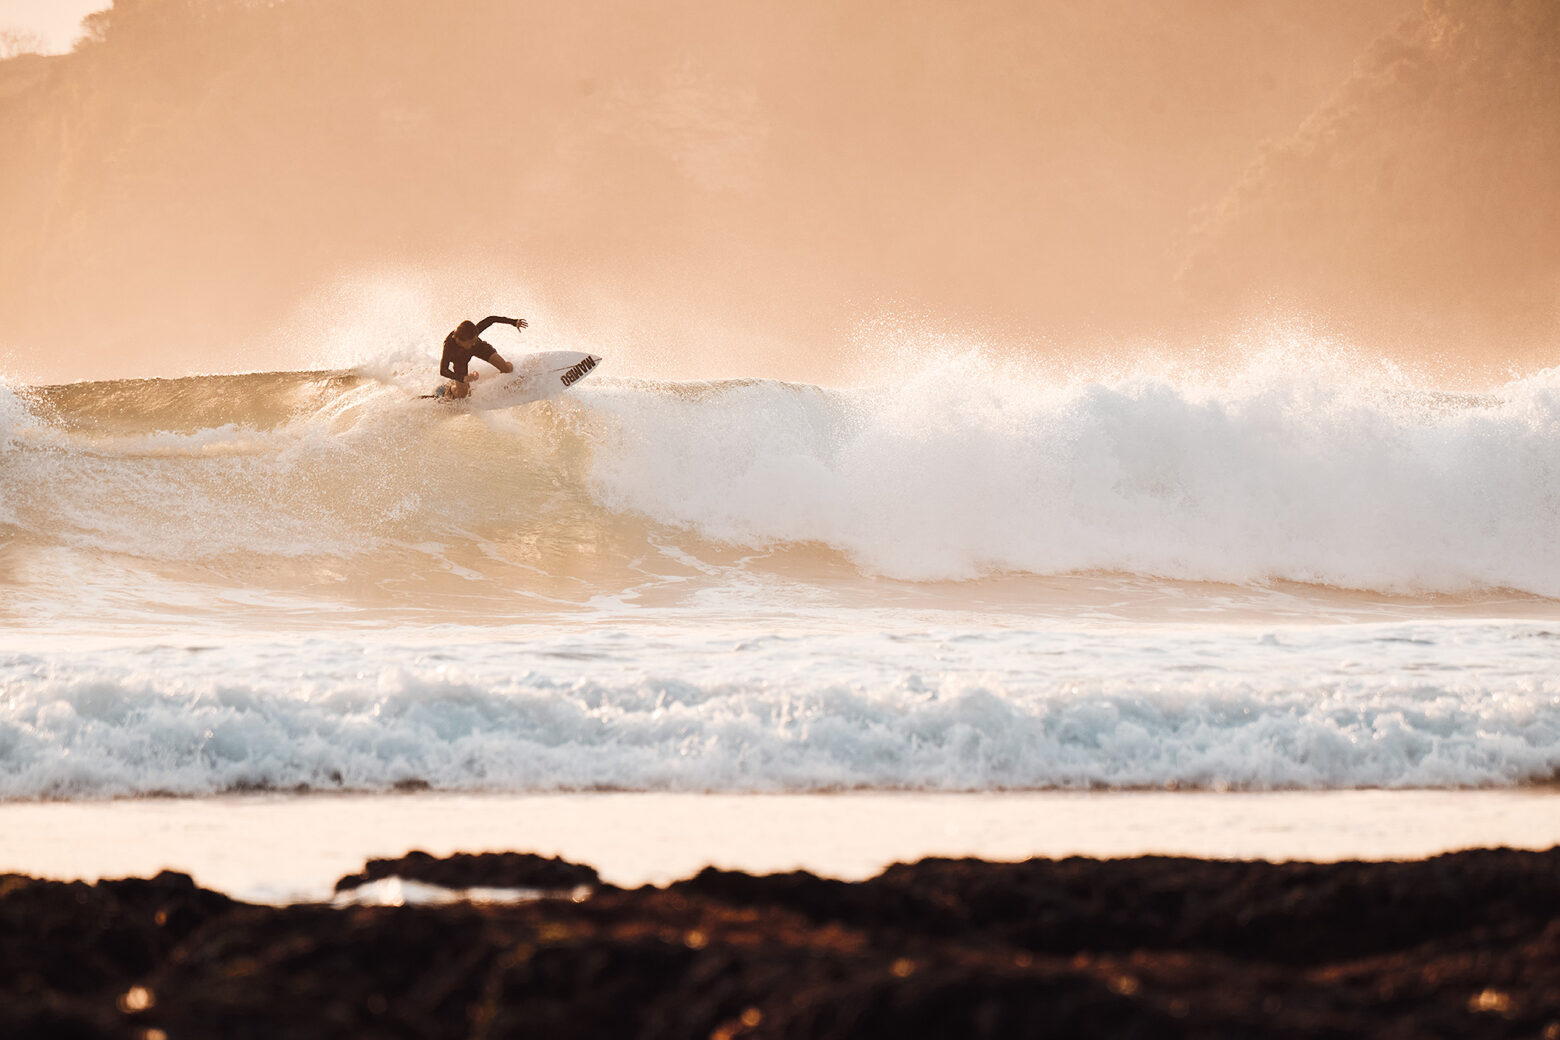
(961, 469)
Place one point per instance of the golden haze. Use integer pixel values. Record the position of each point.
(738, 187)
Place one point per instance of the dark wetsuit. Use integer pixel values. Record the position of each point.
(456, 357)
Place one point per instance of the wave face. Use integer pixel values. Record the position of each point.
(590, 708)
(961, 470)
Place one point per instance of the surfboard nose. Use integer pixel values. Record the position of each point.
(576, 373)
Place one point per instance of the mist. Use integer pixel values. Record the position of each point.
(700, 190)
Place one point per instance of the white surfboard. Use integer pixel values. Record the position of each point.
(536, 376)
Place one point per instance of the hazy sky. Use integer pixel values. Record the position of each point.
(760, 188)
(56, 21)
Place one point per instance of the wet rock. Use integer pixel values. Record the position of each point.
(315, 972)
(69, 951)
(483, 870)
(1462, 946)
(1290, 913)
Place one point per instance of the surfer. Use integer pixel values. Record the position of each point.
(466, 343)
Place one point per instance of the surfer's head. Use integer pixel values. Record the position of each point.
(466, 333)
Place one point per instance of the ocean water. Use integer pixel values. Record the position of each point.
(974, 578)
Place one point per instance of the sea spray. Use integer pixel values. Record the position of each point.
(959, 472)
(13, 414)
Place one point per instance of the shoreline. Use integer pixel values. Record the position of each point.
(280, 848)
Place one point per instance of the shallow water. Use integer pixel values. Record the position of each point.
(284, 848)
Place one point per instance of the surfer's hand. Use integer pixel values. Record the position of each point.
(521, 323)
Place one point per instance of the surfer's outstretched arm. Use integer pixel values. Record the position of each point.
(493, 319)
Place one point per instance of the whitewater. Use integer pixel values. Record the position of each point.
(974, 576)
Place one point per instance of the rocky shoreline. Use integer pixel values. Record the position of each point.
(1461, 945)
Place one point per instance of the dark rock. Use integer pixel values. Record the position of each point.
(69, 951)
(316, 972)
(1290, 913)
(484, 870)
(976, 1004)
(1464, 946)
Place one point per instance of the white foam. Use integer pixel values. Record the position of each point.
(966, 468)
(1424, 705)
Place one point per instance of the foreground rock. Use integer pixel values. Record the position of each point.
(1465, 945)
(485, 870)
